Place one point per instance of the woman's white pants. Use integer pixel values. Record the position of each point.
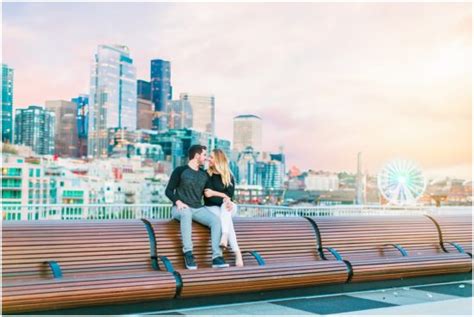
(226, 222)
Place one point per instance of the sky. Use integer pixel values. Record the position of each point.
(329, 80)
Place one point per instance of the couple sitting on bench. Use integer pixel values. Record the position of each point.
(186, 188)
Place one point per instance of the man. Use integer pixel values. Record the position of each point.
(185, 189)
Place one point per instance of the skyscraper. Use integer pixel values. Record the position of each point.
(82, 103)
(247, 132)
(66, 137)
(145, 107)
(7, 104)
(272, 176)
(113, 96)
(180, 115)
(143, 89)
(280, 157)
(246, 164)
(145, 110)
(161, 92)
(203, 111)
(34, 127)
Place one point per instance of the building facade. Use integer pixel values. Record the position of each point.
(247, 132)
(321, 181)
(66, 136)
(161, 92)
(23, 183)
(82, 103)
(7, 104)
(145, 111)
(180, 115)
(113, 96)
(144, 89)
(203, 111)
(34, 127)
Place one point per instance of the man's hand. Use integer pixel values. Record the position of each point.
(180, 205)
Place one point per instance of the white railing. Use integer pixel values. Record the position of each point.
(163, 211)
(85, 212)
(348, 210)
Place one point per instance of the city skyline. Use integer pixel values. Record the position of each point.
(400, 65)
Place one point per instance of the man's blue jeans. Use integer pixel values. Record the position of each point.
(204, 217)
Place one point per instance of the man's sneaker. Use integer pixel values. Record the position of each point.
(219, 262)
(189, 261)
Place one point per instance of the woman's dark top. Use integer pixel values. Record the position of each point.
(215, 183)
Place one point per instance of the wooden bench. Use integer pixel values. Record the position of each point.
(286, 245)
(52, 265)
(387, 247)
(57, 265)
(455, 232)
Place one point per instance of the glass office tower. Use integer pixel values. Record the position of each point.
(7, 104)
(34, 127)
(161, 92)
(112, 98)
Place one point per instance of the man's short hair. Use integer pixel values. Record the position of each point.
(195, 149)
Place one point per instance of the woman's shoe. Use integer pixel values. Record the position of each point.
(238, 259)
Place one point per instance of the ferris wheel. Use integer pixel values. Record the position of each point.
(401, 182)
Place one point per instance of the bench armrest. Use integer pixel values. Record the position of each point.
(166, 262)
(55, 268)
(398, 247)
(333, 251)
(257, 257)
(456, 245)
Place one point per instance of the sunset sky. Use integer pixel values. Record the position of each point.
(329, 80)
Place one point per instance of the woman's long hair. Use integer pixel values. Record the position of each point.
(221, 166)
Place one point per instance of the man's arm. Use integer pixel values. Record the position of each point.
(173, 183)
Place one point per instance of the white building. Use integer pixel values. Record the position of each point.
(203, 111)
(23, 183)
(321, 181)
(247, 132)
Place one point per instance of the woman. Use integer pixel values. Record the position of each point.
(218, 195)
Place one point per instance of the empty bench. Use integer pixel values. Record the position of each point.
(55, 265)
(387, 247)
(455, 232)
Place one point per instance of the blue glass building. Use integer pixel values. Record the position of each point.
(34, 127)
(143, 89)
(176, 142)
(82, 102)
(161, 92)
(7, 104)
(113, 96)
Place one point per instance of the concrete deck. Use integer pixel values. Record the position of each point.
(451, 298)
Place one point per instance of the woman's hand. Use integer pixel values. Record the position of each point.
(228, 204)
(212, 193)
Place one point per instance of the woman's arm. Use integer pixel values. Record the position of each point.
(212, 193)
